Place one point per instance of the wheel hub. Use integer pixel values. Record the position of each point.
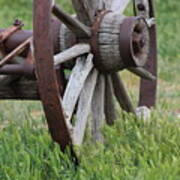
(119, 42)
(134, 42)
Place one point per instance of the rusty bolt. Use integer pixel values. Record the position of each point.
(141, 7)
(17, 22)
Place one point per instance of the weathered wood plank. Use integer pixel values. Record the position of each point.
(119, 5)
(108, 4)
(76, 82)
(84, 107)
(66, 38)
(86, 9)
(7, 79)
(108, 42)
(110, 112)
(73, 52)
(121, 94)
(98, 118)
(20, 90)
(73, 24)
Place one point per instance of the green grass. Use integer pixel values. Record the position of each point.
(133, 149)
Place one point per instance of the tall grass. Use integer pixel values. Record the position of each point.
(133, 149)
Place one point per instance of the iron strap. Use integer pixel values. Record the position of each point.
(148, 89)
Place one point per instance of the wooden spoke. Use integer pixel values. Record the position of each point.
(121, 94)
(84, 107)
(15, 52)
(76, 83)
(119, 5)
(87, 9)
(110, 113)
(73, 52)
(98, 109)
(73, 24)
(142, 73)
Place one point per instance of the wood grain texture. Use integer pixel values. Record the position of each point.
(108, 42)
(73, 24)
(84, 107)
(21, 90)
(119, 5)
(7, 79)
(73, 52)
(75, 84)
(87, 9)
(66, 38)
(108, 4)
(121, 93)
(98, 115)
(110, 112)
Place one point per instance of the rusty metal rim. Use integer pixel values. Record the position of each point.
(148, 89)
(46, 75)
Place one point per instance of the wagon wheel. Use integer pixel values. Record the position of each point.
(107, 42)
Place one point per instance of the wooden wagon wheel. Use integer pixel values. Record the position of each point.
(106, 42)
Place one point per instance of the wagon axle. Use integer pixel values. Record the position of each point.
(132, 39)
(71, 63)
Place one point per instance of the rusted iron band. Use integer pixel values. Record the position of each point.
(125, 39)
(47, 80)
(95, 37)
(126, 48)
(148, 89)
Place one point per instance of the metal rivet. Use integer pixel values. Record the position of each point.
(141, 7)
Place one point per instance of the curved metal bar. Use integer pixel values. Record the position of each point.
(148, 89)
(47, 80)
